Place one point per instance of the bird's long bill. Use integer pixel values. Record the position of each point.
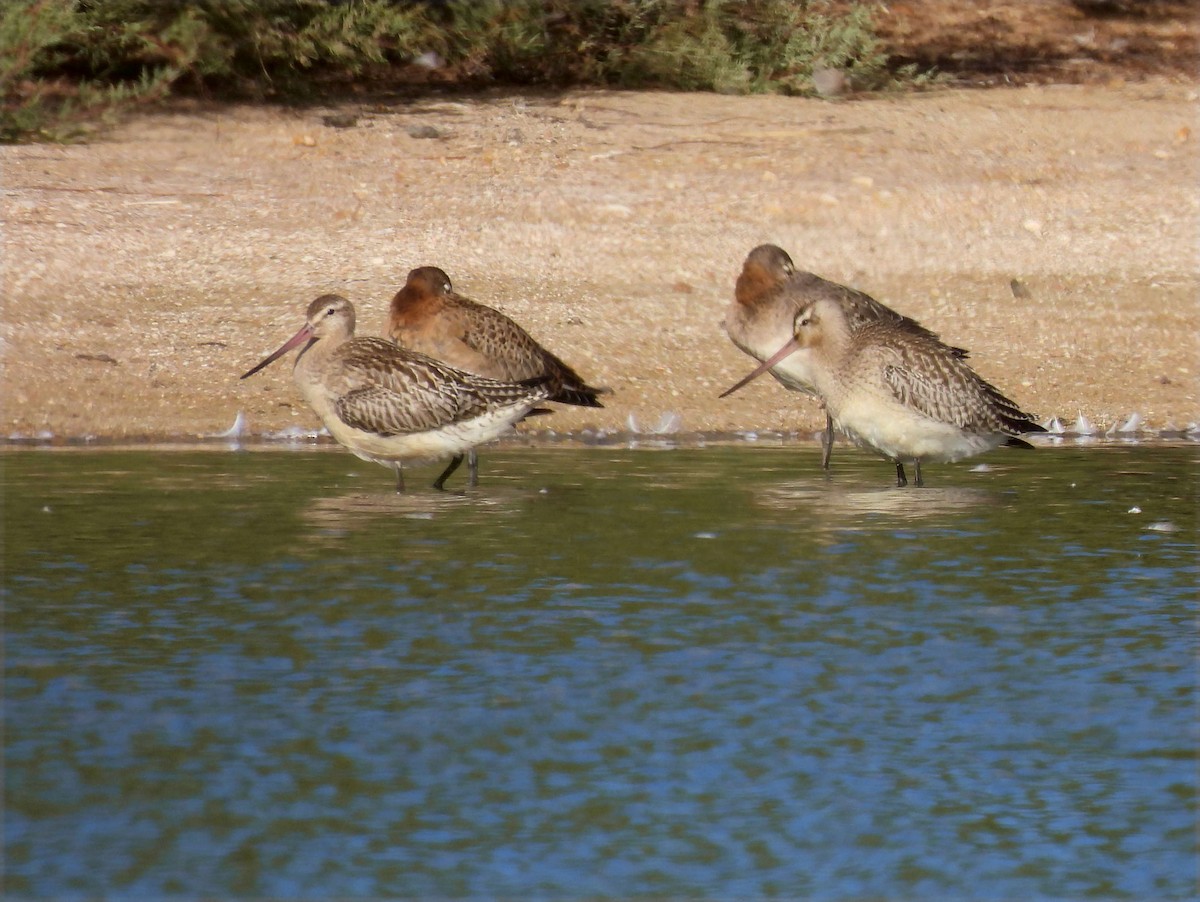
(791, 347)
(299, 338)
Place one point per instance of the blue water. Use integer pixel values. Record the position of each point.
(604, 672)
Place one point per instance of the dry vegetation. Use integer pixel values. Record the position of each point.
(1005, 42)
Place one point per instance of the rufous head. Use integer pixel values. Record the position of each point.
(425, 281)
(425, 284)
(766, 269)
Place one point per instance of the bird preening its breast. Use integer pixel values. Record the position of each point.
(770, 291)
(896, 389)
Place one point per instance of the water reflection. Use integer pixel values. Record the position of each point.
(835, 505)
(603, 672)
(346, 513)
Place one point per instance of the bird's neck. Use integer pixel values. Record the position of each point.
(312, 357)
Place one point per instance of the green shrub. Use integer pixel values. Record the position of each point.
(41, 97)
(68, 64)
(757, 46)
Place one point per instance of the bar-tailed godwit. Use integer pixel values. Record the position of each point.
(387, 404)
(428, 316)
(899, 392)
(770, 291)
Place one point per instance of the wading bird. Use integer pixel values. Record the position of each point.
(387, 404)
(770, 291)
(896, 391)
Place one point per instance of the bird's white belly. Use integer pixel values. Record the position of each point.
(453, 438)
(902, 434)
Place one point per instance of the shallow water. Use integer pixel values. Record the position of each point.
(710, 672)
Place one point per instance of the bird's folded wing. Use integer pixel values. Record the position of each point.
(937, 388)
(379, 410)
(501, 340)
(389, 391)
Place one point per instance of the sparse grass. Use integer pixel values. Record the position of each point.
(68, 65)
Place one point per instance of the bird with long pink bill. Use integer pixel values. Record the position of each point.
(901, 393)
(386, 404)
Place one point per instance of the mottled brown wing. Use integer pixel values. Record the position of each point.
(518, 353)
(379, 411)
(927, 377)
(862, 307)
(500, 339)
(392, 391)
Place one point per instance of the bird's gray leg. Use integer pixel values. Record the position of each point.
(901, 479)
(455, 463)
(827, 442)
(399, 478)
(918, 483)
(472, 468)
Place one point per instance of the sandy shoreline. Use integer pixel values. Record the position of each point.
(145, 272)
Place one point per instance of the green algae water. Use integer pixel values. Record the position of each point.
(604, 672)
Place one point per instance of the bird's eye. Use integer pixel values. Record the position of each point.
(330, 311)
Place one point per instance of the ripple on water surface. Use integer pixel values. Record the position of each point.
(713, 672)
